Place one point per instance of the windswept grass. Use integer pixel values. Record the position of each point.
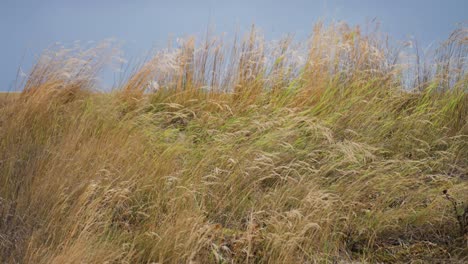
(240, 153)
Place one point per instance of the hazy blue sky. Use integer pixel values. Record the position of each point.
(29, 26)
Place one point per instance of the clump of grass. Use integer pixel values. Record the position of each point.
(243, 152)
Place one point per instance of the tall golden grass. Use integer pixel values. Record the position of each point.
(240, 151)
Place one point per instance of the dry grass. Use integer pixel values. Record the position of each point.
(249, 152)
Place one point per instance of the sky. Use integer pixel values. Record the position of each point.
(29, 26)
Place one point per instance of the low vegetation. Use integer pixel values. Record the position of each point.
(246, 152)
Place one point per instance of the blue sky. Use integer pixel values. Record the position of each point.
(29, 26)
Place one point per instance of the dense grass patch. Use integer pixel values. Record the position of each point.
(326, 161)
